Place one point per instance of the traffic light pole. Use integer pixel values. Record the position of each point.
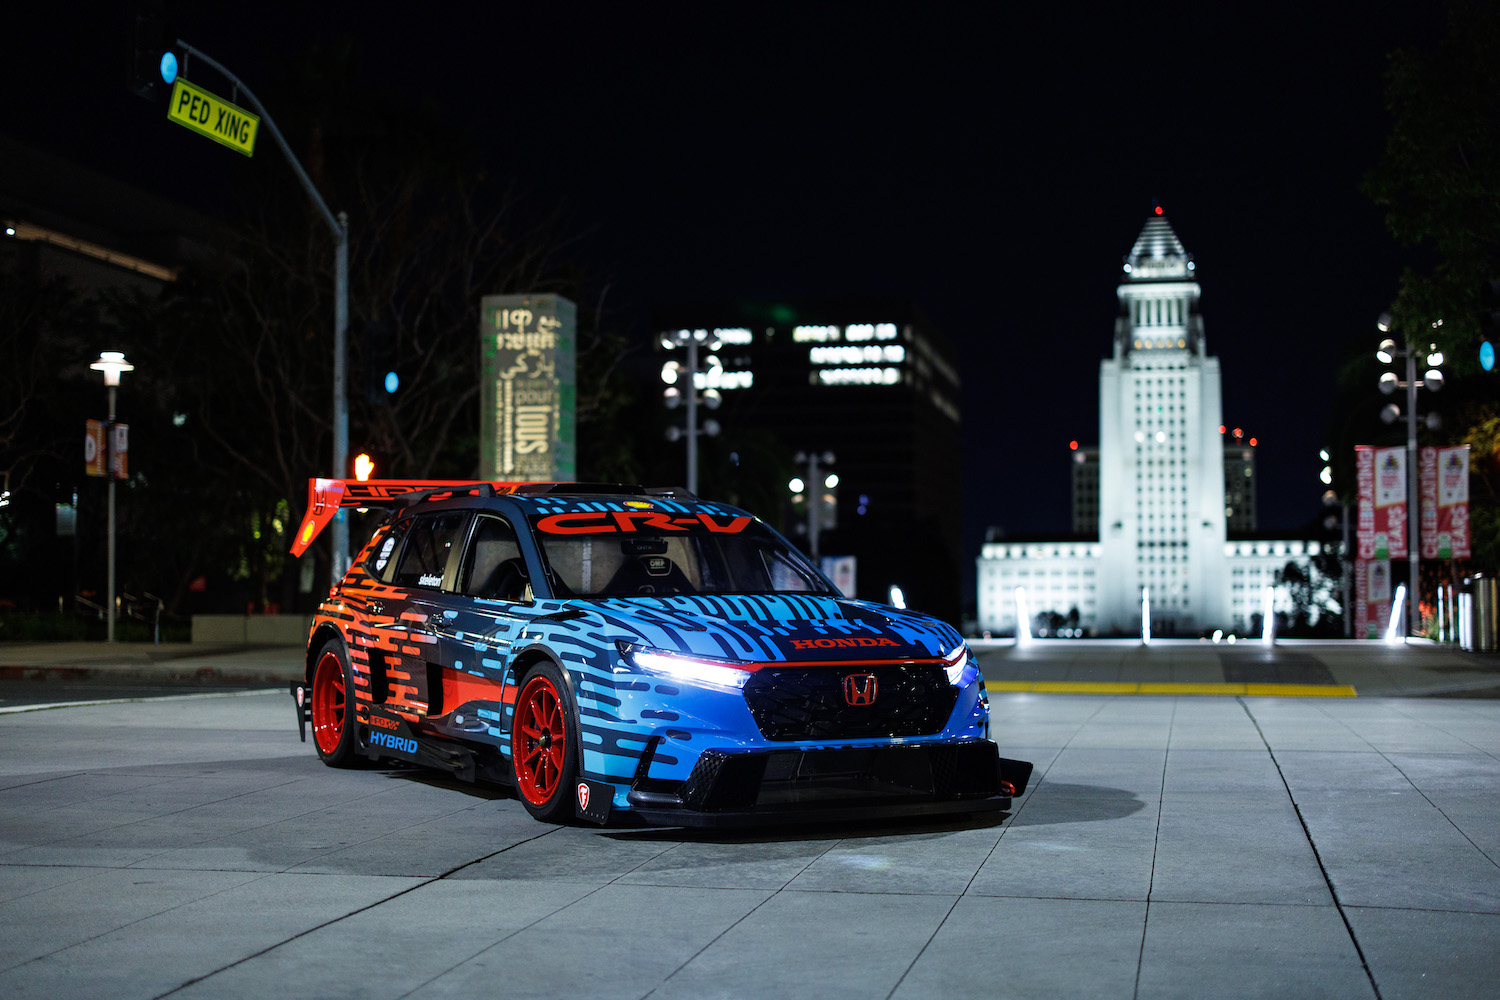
(340, 228)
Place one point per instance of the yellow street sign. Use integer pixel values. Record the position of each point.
(195, 108)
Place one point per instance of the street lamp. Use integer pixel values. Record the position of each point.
(673, 372)
(113, 365)
(1432, 379)
(819, 500)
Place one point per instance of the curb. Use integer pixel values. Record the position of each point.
(118, 676)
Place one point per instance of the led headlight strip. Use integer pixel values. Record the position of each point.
(694, 669)
(955, 662)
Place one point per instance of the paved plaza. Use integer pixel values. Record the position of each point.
(1168, 847)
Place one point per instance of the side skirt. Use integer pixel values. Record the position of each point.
(389, 738)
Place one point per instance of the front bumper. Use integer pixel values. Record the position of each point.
(829, 784)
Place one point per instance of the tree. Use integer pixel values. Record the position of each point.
(1439, 182)
(230, 405)
(431, 233)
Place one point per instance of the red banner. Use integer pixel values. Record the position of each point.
(1380, 475)
(1445, 503)
(94, 451)
(1372, 597)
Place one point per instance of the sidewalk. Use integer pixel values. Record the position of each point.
(175, 663)
(1057, 666)
(1329, 668)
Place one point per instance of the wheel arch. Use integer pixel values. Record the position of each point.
(523, 661)
(315, 644)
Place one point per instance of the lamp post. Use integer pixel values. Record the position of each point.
(673, 372)
(112, 364)
(818, 491)
(1387, 354)
(1332, 521)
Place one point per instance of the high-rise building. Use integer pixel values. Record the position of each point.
(875, 385)
(1239, 484)
(1160, 497)
(1085, 468)
(1161, 471)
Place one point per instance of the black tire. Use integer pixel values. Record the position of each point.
(332, 694)
(544, 716)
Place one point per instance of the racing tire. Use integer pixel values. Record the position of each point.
(333, 722)
(544, 745)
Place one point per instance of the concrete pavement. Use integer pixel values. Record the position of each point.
(1087, 666)
(1168, 847)
(179, 663)
(1197, 666)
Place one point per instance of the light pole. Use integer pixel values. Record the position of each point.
(671, 373)
(1390, 413)
(1331, 521)
(815, 488)
(338, 226)
(112, 364)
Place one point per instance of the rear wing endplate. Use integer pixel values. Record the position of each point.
(325, 497)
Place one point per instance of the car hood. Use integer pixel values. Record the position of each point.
(793, 628)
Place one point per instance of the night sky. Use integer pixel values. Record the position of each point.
(992, 165)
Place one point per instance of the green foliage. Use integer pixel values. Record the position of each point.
(1439, 182)
(1483, 439)
(1439, 178)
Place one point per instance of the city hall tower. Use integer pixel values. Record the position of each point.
(1161, 459)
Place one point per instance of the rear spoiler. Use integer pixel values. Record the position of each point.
(325, 497)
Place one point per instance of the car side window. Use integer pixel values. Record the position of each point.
(493, 566)
(786, 578)
(381, 561)
(430, 542)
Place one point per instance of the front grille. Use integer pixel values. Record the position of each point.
(807, 703)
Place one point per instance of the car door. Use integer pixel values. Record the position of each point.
(474, 621)
(401, 665)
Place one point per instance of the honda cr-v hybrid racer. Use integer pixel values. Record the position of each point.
(609, 650)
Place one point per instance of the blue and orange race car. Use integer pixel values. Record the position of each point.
(611, 652)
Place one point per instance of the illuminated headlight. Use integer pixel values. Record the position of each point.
(703, 670)
(955, 662)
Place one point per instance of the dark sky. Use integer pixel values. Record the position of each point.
(993, 165)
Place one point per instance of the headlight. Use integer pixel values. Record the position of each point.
(703, 670)
(955, 662)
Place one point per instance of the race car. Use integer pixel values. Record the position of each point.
(614, 652)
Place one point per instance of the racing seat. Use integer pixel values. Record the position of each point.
(507, 581)
(650, 575)
(496, 569)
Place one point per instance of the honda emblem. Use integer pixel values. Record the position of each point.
(860, 689)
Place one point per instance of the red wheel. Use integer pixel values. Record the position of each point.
(332, 711)
(543, 752)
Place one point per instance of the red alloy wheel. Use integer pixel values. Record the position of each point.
(539, 741)
(328, 703)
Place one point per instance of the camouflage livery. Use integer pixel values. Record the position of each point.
(683, 707)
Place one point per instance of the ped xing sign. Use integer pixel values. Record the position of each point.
(195, 108)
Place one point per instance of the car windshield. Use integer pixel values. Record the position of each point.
(652, 554)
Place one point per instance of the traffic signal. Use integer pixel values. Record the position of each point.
(1489, 323)
(363, 466)
(153, 64)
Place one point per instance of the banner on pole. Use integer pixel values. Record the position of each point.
(1445, 502)
(119, 451)
(1372, 597)
(94, 451)
(1380, 475)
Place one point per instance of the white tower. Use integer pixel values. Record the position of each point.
(1161, 460)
